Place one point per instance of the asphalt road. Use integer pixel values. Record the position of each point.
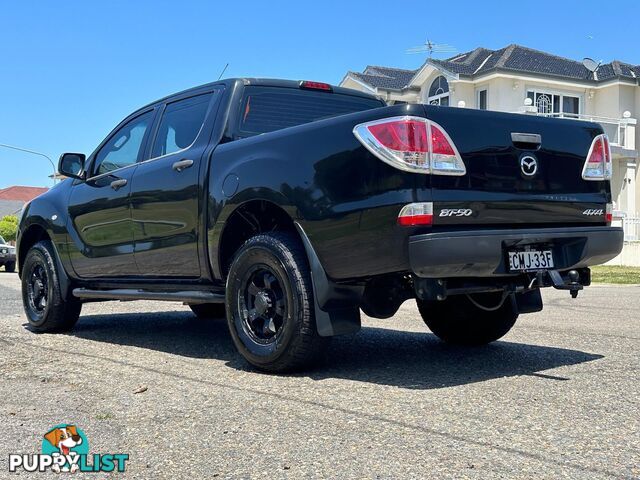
(557, 398)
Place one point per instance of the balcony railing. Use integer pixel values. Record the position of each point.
(621, 131)
(630, 225)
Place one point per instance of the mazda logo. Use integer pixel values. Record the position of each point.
(528, 165)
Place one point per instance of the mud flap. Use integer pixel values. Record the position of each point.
(529, 301)
(336, 306)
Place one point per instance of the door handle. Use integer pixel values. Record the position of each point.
(182, 165)
(116, 184)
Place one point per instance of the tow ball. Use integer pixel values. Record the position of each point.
(574, 285)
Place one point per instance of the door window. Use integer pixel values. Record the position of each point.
(181, 122)
(482, 99)
(124, 147)
(555, 104)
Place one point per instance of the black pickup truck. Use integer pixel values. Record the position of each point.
(289, 207)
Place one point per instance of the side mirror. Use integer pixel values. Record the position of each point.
(72, 165)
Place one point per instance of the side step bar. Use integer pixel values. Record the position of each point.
(124, 294)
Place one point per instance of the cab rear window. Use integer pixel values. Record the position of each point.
(266, 109)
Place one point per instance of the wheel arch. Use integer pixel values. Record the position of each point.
(245, 220)
(33, 234)
(262, 216)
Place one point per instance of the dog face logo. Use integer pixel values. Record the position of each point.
(64, 438)
(67, 441)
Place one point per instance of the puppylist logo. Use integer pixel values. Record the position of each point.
(65, 449)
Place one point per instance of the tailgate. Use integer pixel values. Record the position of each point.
(511, 178)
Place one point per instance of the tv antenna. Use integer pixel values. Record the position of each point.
(431, 48)
(591, 65)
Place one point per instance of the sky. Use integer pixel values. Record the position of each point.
(71, 70)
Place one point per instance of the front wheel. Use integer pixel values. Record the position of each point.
(10, 267)
(47, 310)
(270, 309)
(470, 320)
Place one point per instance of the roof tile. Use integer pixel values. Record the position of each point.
(22, 194)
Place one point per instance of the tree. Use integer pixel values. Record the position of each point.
(9, 227)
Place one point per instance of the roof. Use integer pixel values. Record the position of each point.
(10, 207)
(385, 77)
(512, 58)
(21, 194)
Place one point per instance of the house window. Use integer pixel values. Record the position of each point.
(482, 99)
(555, 104)
(439, 92)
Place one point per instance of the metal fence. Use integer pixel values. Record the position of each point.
(631, 227)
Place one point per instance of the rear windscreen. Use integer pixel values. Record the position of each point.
(265, 109)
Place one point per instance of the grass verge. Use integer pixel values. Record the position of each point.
(615, 274)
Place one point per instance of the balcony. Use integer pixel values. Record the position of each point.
(621, 131)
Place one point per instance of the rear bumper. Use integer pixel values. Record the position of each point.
(483, 253)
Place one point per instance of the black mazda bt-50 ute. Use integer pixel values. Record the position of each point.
(288, 207)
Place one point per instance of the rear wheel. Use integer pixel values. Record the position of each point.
(270, 308)
(47, 310)
(209, 310)
(10, 267)
(474, 320)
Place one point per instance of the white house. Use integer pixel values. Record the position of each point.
(519, 79)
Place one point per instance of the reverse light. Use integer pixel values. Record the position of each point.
(608, 214)
(316, 86)
(416, 214)
(598, 163)
(412, 144)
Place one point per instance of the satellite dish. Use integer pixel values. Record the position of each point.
(590, 64)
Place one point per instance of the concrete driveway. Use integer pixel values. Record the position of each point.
(557, 398)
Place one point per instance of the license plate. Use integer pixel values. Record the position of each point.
(530, 260)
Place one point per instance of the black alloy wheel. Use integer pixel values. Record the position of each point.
(262, 302)
(46, 308)
(270, 307)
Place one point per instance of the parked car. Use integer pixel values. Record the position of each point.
(7, 256)
(289, 207)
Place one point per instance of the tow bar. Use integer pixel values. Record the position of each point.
(574, 285)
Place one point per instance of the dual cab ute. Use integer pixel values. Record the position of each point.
(288, 207)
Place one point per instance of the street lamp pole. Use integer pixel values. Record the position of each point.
(20, 149)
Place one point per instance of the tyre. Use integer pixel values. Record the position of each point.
(10, 267)
(209, 310)
(270, 309)
(458, 320)
(46, 309)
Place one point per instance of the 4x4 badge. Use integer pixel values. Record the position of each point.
(529, 165)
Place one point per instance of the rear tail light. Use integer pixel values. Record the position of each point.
(316, 86)
(412, 144)
(598, 164)
(416, 214)
(608, 214)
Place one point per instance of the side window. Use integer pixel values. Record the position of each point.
(123, 148)
(180, 124)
